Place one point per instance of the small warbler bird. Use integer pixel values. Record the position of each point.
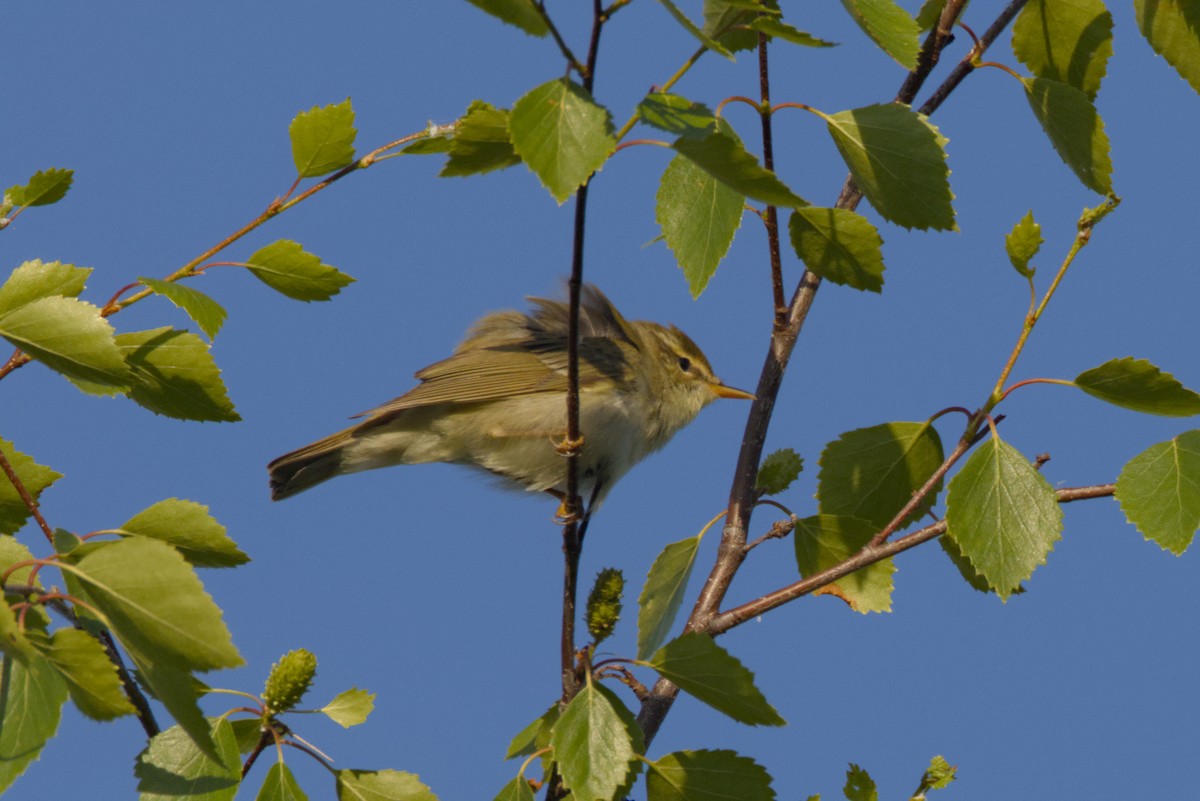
(499, 403)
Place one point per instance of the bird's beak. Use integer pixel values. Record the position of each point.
(722, 391)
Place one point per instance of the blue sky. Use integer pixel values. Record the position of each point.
(438, 591)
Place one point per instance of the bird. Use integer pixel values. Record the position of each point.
(498, 403)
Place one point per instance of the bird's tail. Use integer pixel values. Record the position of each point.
(308, 466)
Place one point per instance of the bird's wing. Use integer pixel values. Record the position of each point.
(508, 354)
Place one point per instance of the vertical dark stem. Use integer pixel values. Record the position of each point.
(574, 531)
(772, 215)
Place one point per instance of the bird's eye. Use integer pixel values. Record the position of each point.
(685, 363)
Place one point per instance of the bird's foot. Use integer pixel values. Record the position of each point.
(568, 446)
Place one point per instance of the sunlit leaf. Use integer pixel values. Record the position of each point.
(839, 245)
(707, 671)
(1074, 128)
(45, 187)
(778, 29)
(35, 478)
(595, 743)
(527, 740)
(37, 279)
(1138, 385)
(189, 527)
(323, 139)
(1172, 27)
(889, 26)
(898, 160)
(1065, 40)
(350, 708)
(778, 471)
(871, 473)
(173, 374)
(519, 13)
(562, 135)
(859, 785)
(68, 336)
(691, 27)
(290, 270)
(280, 785)
(1023, 243)
(721, 154)
(380, 785)
(154, 602)
(31, 699)
(1003, 515)
(663, 593)
(172, 767)
(517, 789)
(90, 675)
(206, 312)
(707, 776)
(698, 215)
(1159, 491)
(480, 142)
(823, 541)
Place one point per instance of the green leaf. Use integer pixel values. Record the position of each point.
(778, 29)
(1003, 515)
(350, 708)
(707, 776)
(930, 13)
(890, 27)
(939, 775)
(871, 473)
(1023, 243)
(859, 785)
(562, 135)
(595, 742)
(777, 472)
(290, 270)
(189, 527)
(480, 142)
(689, 26)
(280, 785)
(36, 279)
(155, 604)
(520, 13)
(840, 245)
(439, 143)
(1069, 41)
(676, 115)
(380, 785)
(172, 767)
(31, 699)
(247, 732)
(11, 552)
(45, 187)
(323, 139)
(663, 593)
(206, 312)
(533, 736)
(35, 477)
(14, 644)
(517, 789)
(697, 664)
(698, 215)
(898, 160)
(823, 541)
(1172, 27)
(1075, 129)
(68, 336)
(1138, 385)
(1159, 491)
(965, 569)
(728, 21)
(176, 689)
(721, 154)
(90, 675)
(173, 374)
